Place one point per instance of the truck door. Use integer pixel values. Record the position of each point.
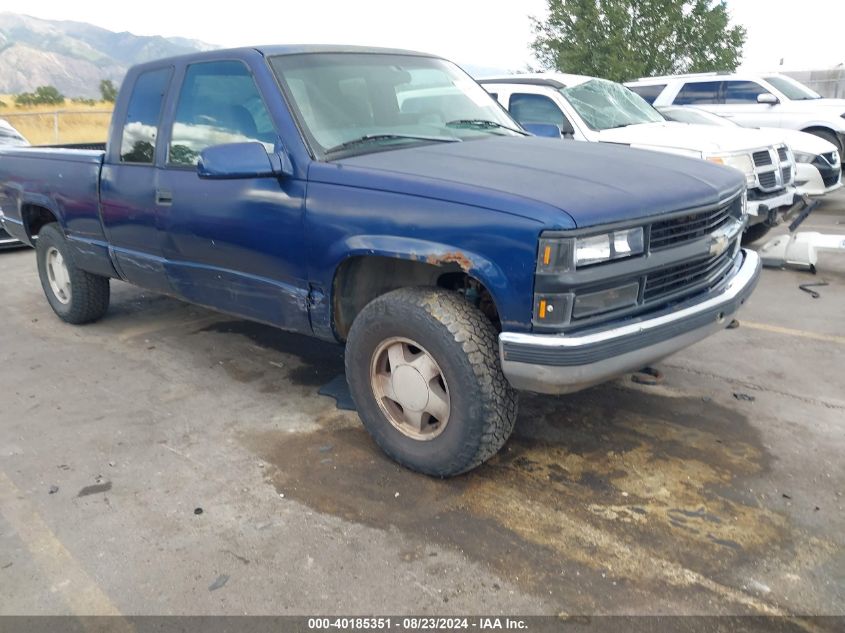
(128, 196)
(235, 245)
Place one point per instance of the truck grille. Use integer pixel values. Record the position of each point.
(675, 267)
(762, 158)
(774, 168)
(768, 180)
(672, 280)
(676, 231)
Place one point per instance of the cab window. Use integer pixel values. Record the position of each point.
(701, 92)
(743, 91)
(219, 103)
(140, 129)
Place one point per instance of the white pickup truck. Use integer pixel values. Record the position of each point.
(767, 100)
(590, 109)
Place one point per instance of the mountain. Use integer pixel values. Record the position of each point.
(74, 56)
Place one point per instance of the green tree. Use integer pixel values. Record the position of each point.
(47, 95)
(625, 39)
(108, 91)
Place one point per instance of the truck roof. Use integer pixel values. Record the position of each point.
(284, 49)
(554, 80)
(703, 76)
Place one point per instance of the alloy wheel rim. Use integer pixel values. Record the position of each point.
(410, 388)
(58, 275)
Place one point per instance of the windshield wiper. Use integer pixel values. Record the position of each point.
(374, 138)
(483, 123)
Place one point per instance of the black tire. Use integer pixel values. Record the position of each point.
(89, 294)
(755, 232)
(830, 137)
(463, 343)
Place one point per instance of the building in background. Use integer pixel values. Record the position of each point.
(828, 83)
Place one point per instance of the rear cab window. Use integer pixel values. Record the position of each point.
(649, 93)
(140, 128)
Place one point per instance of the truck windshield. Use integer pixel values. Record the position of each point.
(605, 105)
(792, 89)
(352, 103)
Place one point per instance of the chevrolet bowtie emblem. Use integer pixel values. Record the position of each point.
(718, 245)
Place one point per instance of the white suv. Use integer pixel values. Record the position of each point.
(768, 100)
(596, 110)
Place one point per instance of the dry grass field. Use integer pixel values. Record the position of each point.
(67, 123)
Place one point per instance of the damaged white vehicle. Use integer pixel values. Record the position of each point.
(596, 110)
(818, 169)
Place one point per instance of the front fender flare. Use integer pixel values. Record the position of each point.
(425, 251)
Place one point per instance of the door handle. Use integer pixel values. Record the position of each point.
(164, 197)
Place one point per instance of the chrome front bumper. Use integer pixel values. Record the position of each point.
(557, 363)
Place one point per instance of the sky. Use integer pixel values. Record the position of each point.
(806, 34)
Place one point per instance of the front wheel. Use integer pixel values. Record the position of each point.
(423, 368)
(76, 296)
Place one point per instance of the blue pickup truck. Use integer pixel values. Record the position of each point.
(382, 199)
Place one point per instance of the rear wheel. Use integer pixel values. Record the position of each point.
(423, 368)
(76, 296)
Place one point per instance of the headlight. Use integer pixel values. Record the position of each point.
(803, 157)
(742, 162)
(566, 254)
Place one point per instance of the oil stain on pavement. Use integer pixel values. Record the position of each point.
(608, 497)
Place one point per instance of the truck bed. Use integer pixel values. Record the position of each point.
(65, 181)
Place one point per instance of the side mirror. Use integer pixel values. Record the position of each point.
(549, 130)
(241, 160)
(767, 98)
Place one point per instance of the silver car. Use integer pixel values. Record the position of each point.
(9, 136)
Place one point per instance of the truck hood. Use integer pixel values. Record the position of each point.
(816, 111)
(810, 105)
(799, 141)
(561, 184)
(687, 138)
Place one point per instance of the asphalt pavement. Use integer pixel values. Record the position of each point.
(171, 460)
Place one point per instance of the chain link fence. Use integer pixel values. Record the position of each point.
(828, 83)
(61, 126)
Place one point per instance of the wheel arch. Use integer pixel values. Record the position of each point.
(36, 212)
(821, 127)
(366, 273)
